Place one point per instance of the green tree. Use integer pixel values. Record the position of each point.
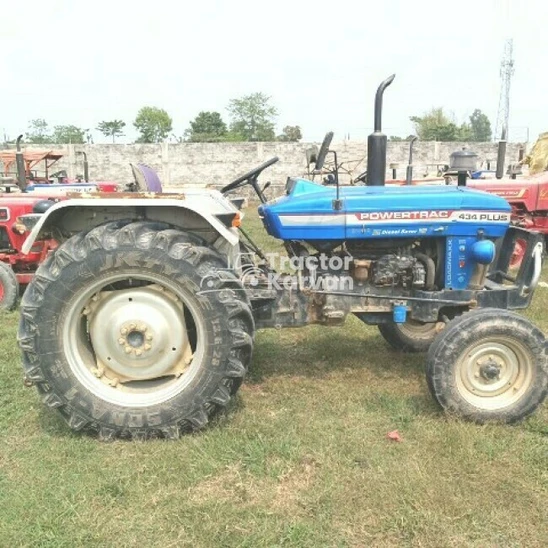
(69, 134)
(113, 129)
(435, 126)
(253, 117)
(397, 138)
(480, 126)
(154, 125)
(291, 134)
(465, 133)
(38, 132)
(207, 127)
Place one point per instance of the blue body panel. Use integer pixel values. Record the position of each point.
(458, 214)
(72, 187)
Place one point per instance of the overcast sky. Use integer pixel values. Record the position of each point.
(77, 62)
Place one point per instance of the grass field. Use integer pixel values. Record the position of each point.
(300, 459)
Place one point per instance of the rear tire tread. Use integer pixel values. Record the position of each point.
(151, 237)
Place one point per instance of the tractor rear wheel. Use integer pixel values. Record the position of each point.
(489, 365)
(9, 287)
(135, 330)
(411, 336)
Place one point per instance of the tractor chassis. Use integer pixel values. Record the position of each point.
(289, 306)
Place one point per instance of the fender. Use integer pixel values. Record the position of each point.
(199, 212)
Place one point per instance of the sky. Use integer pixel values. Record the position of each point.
(76, 62)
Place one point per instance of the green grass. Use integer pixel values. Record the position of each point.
(300, 459)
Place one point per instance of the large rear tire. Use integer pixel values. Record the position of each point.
(135, 330)
(489, 365)
(9, 287)
(411, 336)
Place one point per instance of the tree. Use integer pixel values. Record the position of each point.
(207, 127)
(397, 138)
(38, 132)
(435, 126)
(480, 126)
(112, 129)
(154, 124)
(69, 134)
(252, 117)
(291, 134)
(464, 133)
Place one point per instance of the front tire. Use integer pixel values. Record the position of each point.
(489, 365)
(135, 330)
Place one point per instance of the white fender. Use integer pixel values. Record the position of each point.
(78, 214)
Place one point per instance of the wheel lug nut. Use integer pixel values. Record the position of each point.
(121, 340)
(148, 337)
(138, 352)
(127, 349)
(143, 328)
(123, 331)
(132, 326)
(147, 347)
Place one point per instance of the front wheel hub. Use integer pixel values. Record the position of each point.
(494, 372)
(138, 334)
(490, 370)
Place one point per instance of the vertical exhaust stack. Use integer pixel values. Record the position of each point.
(376, 142)
(86, 167)
(501, 155)
(409, 171)
(20, 164)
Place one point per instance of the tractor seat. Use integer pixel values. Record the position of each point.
(146, 178)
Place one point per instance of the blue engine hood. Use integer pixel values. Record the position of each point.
(307, 212)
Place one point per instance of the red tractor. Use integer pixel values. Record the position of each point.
(15, 267)
(529, 201)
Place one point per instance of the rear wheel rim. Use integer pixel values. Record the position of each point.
(88, 348)
(494, 373)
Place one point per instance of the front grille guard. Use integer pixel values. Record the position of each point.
(526, 275)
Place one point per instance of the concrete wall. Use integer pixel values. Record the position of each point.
(219, 163)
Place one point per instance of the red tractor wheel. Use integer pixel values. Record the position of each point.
(518, 253)
(9, 287)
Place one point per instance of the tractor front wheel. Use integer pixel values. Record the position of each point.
(411, 336)
(489, 365)
(9, 287)
(135, 330)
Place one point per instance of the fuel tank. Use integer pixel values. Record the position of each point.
(307, 212)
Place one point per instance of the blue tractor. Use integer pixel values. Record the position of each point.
(141, 322)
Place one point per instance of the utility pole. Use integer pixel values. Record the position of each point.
(506, 73)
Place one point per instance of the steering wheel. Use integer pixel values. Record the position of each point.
(250, 178)
(324, 149)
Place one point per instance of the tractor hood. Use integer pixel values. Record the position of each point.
(307, 212)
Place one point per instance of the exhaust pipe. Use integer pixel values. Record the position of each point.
(376, 142)
(20, 164)
(501, 155)
(409, 172)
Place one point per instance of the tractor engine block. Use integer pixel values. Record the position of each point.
(394, 270)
